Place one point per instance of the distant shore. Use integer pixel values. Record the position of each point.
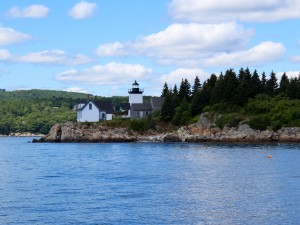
(26, 134)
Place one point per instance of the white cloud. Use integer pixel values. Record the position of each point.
(83, 10)
(252, 11)
(290, 74)
(32, 11)
(9, 36)
(258, 55)
(193, 45)
(76, 89)
(295, 59)
(176, 76)
(111, 49)
(53, 57)
(183, 41)
(112, 73)
(5, 55)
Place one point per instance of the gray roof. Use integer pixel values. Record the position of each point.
(101, 105)
(157, 102)
(105, 106)
(141, 107)
(125, 106)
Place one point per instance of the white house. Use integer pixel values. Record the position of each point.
(94, 111)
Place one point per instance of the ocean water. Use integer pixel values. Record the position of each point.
(148, 183)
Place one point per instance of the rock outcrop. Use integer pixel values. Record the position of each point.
(203, 131)
(81, 132)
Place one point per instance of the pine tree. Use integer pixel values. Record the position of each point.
(284, 83)
(255, 85)
(165, 90)
(167, 109)
(196, 87)
(231, 84)
(184, 90)
(271, 85)
(263, 82)
(218, 90)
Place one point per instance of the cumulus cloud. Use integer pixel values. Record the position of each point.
(83, 10)
(9, 36)
(252, 11)
(32, 11)
(290, 74)
(258, 55)
(53, 57)
(47, 57)
(76, 89)
(5, 55)
(193, 45)
(183, 41)
(176, 76)
(111, 73)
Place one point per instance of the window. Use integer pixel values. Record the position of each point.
(90, 106)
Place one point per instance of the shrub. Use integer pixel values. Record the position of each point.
(260, 122)
(232, 120)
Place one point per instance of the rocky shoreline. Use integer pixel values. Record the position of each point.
(198, 132)
(26, 134)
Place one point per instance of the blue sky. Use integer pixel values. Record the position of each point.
(101, 47)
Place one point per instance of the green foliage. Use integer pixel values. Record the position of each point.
(35, 116)
(260, 122)
(143, 124)
(231, 120)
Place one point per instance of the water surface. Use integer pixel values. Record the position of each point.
(148, 183)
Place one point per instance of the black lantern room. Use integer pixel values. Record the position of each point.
(135, 89)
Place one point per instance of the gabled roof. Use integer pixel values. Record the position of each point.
(125, 106)
(105, 106)
(141, 106)
(101, 105)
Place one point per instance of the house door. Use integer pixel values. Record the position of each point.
(103, 116)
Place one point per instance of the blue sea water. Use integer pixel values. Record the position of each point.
(148, 183)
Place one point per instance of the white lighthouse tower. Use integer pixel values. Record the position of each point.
(135, 94)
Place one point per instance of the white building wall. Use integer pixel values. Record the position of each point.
(88, 115)
(135, 98)
(108, 116)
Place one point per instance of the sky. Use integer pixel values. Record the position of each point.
(101, 47)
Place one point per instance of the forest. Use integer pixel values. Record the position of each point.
(36, 111)
(260, 101)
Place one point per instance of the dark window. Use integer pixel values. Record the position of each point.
(90, 106)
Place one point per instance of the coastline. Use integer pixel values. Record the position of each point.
(26, 134)
(195, 133)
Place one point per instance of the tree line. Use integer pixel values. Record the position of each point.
(187, 101)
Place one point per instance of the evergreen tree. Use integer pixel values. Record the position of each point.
(231, 84)
(293, 88)
(263, 82)
(198, 102)
(218, 90)
(284, 83)
(244, 89)
(255, 85)
(167, 109)
(165, 90)
(271, 85)
(196, 87)
(184, 90)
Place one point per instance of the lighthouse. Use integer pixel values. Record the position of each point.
(135, 94)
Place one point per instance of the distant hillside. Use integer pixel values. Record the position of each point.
(40, 94)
